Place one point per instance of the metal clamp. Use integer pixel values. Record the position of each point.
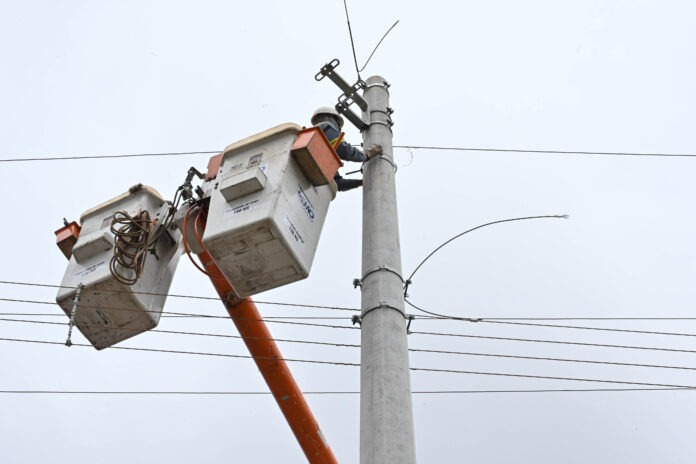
(382, 305)
(396, 168)
(381, 268)
(406, 285)
(384, 85)
(386, 120)
(410, 318)
(73, 311)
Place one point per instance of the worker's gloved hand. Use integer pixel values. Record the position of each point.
(374, 150)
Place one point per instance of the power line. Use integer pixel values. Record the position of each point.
(406, 147)
(337, 363)
(199, 334)
(422, 318)
(272, 319)
(438, 316)
(132, 155)
(266, 393)
(545, 377)
(330, 307)
(175, 295)
(580, 318)
(415, 332)
(549, 152)
(377, 46)
(413, 350)
(558, 342)
(352, 43)
(197, 353)
(287, 320)
(603, 329)
(504, 321)
(541, 358)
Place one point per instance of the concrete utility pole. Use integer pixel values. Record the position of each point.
(386, 416)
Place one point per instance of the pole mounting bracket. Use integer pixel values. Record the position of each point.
(349, 96)
(410, 318)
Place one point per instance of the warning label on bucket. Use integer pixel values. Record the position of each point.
(242, 208)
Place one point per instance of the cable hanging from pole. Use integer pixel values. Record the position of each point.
(409, 280)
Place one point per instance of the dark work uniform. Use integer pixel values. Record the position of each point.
(346, 152)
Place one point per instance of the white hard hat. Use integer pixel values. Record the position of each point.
(330, 110)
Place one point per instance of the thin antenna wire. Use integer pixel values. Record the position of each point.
(352, 43)
(377, 46)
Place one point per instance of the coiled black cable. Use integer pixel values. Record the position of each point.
(131, 241)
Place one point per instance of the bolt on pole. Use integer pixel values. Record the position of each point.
(386, 415)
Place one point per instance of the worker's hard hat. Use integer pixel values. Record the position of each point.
(328, 110)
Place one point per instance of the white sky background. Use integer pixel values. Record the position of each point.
(86, 78)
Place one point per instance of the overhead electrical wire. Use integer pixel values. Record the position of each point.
(590, 318)
(541, 358)
(558, 342)
(406, 147)
(477, 320)
(269, 319)
(352, 42)
(100, 157)
(282, 319)
(378, 44)
(287, 320)
(545, 377)
(200, 334)
(439, 247)
(549, 152)
(168, 314)
(175, 295)
(206, 316)
(601, 329)
(413, 350)
(186, 352)
(113, 308)
(355, 392)
(339, 363)
(344, 308)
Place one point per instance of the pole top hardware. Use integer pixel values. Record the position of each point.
(349, 96)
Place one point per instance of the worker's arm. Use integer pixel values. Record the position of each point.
(348, 152)
(344, 150)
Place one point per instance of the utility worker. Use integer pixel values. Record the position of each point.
(331, 123)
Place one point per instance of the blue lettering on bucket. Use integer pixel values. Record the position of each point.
(306, 204)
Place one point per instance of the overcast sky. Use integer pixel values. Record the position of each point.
(109, 78)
